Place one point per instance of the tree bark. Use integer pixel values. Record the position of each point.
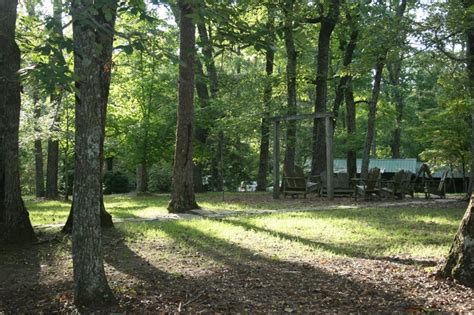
(104, 38)
(202, 133)
(15, 225)
(56, 98)
(347, 76)
(52, 169)
(182, 195)
(90, 283)
(290, 152)
(39, 164)
(265, 126)
(394, 70)
(370, 135)
(328, 23)
(39, 174)
(460, 262)
(209, 59)
(142, 178)
(369, 138)
(351, 130)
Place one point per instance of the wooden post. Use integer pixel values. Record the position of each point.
(276, 160)
(329, 158)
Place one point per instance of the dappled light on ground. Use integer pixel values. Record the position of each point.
(338, 260)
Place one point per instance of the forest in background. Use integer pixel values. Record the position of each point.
(255, 60)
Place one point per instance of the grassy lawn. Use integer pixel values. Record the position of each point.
(130, 206)
(364, 233)
(325, 261)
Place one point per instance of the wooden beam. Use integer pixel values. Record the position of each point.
(276, 160)
(301, 116)
(329, 158)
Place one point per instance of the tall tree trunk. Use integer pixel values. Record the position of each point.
(66, 157)
(104, 38)
(347, 76)
(202, 133)
(39, 172)
(265, 126)
(142, 178)
(394, 70)
(90, 283)
(290, 152)
(209, 59)
(182, 195)
(351, 130)
(56, 98)
(106, 17)
(15, 225)
(470, 187)
(460, 262)
(52, 169)
(369, 138)
(370, 135)
(328, 23)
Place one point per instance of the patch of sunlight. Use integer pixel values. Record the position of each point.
(216, 206)
(47, 212)
(141, 230)
(229, 235)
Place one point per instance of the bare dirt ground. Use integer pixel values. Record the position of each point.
(155, 276)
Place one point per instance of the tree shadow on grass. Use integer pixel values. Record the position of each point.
(349, 250)
(240, 280)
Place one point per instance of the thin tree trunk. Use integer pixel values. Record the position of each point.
(370, 135)
(290, 152)
(351, 130)
(66, 155)
(182, 195)
(209, 59)
(394, 70)
(15, 225)
(142, 178)
(347, 76)
(470, 187)
(328, 23)
(52, 169)
(39, 172)
(52, 165)
(265, 126)
(202, 133)
(371, 116)
(90, 283)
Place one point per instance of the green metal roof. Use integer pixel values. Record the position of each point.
(385, 165)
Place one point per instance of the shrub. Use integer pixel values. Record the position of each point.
(115, 182)
(159, 178)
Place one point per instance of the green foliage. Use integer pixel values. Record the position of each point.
(115, 182)
(160, 178)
